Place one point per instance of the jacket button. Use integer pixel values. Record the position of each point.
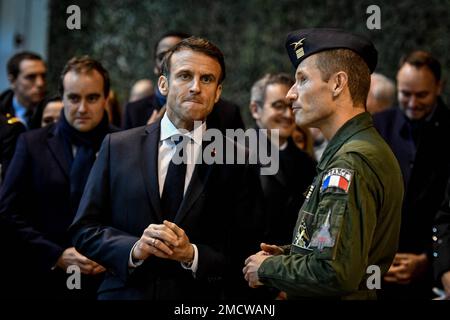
(434, 238)
(434, 230)
(435, 254)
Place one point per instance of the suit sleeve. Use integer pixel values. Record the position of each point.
(91, 232)
(340, 245)
(8, 143)
(15, 210)
(441, 238)
(127, 119)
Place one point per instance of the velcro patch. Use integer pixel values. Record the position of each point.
(337, 179)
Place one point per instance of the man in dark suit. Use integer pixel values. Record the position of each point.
(283, 191)
(416, 131)
(166, 230)
(43, 187)
(225, 115)
(27, 76)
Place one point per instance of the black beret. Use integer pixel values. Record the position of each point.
(300, 44)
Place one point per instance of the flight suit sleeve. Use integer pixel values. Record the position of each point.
(340, 237)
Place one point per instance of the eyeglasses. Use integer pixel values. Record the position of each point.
(281, 106)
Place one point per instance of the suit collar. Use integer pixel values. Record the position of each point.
(56, 145)
(149, 165)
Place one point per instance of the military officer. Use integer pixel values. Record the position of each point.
(350, 219)
(10, 129)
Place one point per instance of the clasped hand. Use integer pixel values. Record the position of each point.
(167, 241)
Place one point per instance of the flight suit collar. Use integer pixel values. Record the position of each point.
(356, 124)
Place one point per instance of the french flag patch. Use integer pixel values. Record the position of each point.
(337, 178)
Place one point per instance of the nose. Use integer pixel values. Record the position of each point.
(82, 107)
(292, 94)
(195, 85)
(40, 81)
(412, 101)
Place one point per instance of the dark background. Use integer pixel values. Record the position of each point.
(251, 34)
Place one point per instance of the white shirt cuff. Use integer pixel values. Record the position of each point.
(194, 266)
(136, 263)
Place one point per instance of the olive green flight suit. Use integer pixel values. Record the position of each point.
(349, 221)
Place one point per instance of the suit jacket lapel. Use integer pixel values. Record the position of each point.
(149, 165)
(56, 146)
(195, 188)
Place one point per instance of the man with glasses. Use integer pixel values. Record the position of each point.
(283, 192)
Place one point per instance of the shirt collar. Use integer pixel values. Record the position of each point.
(19, 110)
(169, 130)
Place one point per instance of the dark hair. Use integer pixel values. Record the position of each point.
(259, 88)
(85, 64)
(332, 61)
(423, 59)
(176, 34)
(13, 66)
(52, 98)
(198, 45)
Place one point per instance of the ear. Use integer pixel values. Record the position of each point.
(11, 80)
(163, 85)
(218, 93)
(338, 82)
(254, 110)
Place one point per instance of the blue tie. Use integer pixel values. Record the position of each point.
(173, 190)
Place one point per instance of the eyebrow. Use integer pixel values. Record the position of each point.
(201, 75)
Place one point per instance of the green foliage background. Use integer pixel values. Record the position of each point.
(251, 33)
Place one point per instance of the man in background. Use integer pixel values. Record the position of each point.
(416, 131)
(27, 77)
(381, 94)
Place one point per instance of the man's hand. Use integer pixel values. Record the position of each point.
(252, 265)
(183, 251)
(157, 240)
(167, 241)
(71, 256)
(406, 267)
(271, 249)
(445, 279)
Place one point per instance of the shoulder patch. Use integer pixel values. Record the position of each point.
(336, 180)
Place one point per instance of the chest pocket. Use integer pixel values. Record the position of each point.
(319, 232)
